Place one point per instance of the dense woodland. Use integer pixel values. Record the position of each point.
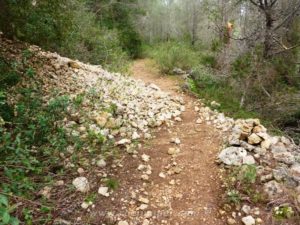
(244, 54)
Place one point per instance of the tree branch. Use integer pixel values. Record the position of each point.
(273, 3)
(285, 50)
(287, 18)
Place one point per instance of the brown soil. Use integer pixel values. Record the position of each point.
(195, 197)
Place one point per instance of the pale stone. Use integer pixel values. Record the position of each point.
(248, 220)
(173, 151)
(103, 191)
(254, 139)
(233, 156)
(273, 189)
(123, 222)
(101, 163)
(295, 172)
(81, 184)
(248, 160)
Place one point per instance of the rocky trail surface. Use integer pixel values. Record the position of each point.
(184, 185)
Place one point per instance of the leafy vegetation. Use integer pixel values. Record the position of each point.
(75, 29)
(172, 55)
(33, 142)
(241, 183)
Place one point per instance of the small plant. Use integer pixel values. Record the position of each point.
(96, 138)
(234, 196)
(78, 100)
(112, 109)
(247, 174)
(90, 198)
(112, 184)
(283, 212)
(27, 214)
(5, 212)
(30, 72)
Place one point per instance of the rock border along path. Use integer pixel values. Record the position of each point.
(182, 183)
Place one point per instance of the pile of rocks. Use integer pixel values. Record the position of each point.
(277, 159)
(113, 105)
(250, 143)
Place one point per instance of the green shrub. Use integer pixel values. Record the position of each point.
(211, 87)
(170, 55)
(283, 212)
(233, 196)
(5, 212)
(112, 184)
(209, 60)
(247, 174)
(67, 27)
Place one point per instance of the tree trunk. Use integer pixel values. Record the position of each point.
(268, 34)
(194, 26)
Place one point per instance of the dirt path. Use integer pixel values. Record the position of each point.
(191, 190)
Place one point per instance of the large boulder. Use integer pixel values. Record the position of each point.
(233, 156)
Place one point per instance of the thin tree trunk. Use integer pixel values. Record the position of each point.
(268, 34)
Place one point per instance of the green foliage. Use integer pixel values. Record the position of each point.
(68, 27)
(5, 212)
(119, 15)
(283, 212)
(211, 87)
(170, 55)
(209, 60)
(233, 196)
(8, 71)
(247, 174)
(216, 45)
(112, 184)
(242, 66)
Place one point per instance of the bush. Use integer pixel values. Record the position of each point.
(211, 87)
(67, 27)
(170, 55)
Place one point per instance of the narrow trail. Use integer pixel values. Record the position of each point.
(190, 193)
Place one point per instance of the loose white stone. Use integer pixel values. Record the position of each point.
(123, 222)
(246, 209)
(101, 163)
(162, 175)
(248, 220)
(173, 151)
(145, 158)
(103, 191)
(123, 142)
(81, 184)
(84, 205)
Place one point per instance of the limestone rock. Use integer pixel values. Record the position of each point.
(81, 184)
(123, 222)
(285, 157)
(248, 220)
(101, 163)
(123, 142)
(173, 151)
(246, 209)
(254, 139)
(295, 172)
(233, 156)
(273, 189)
(248, 160)
(103, 191)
